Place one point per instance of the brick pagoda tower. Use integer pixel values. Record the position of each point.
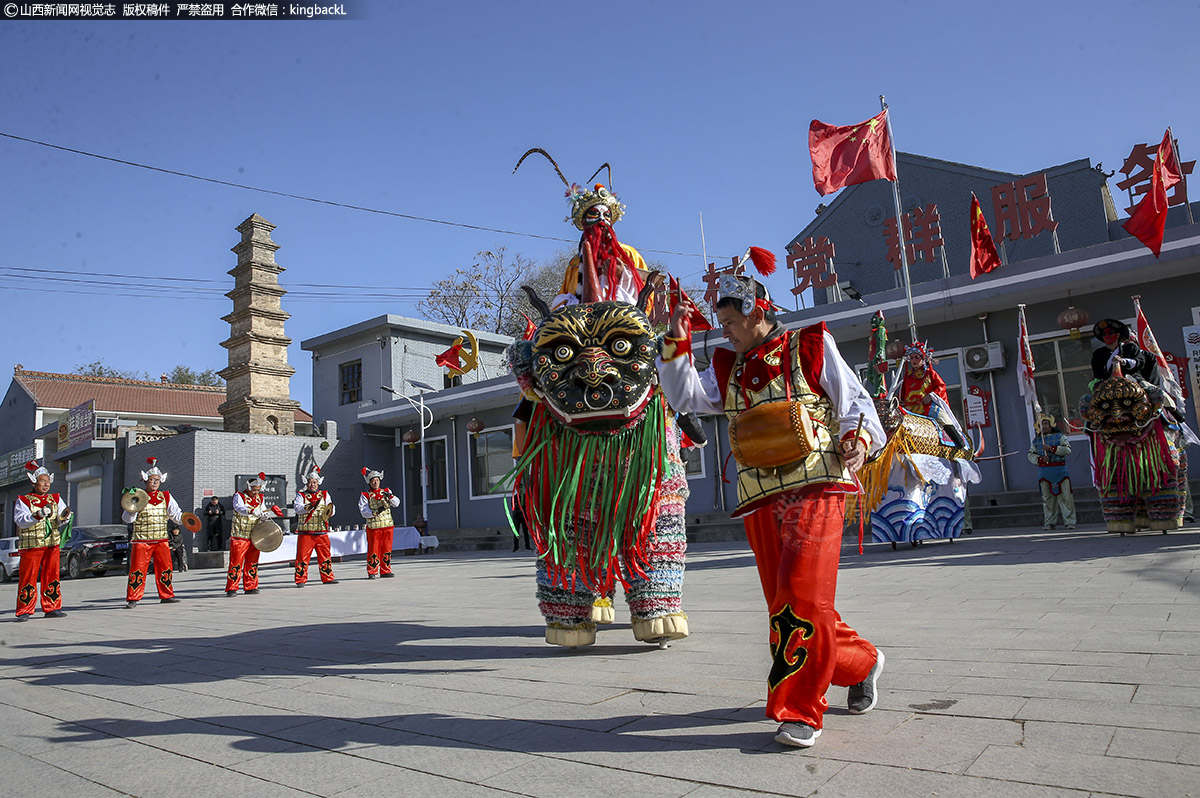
(257, 395)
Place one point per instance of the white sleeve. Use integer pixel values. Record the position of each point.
(174, 510)
(364, 507)
(298, 503)
(22, 516)
(687, 390)
(395, 500)
(239, 505)
(128, 517)
(848, 396)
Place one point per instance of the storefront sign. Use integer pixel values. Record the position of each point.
(1191, 346)
(12, 464)
(81, 425)
(979, 406)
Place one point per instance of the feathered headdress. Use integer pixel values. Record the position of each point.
(153, 471)
(33, 471)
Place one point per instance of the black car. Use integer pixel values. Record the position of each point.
(94, 550)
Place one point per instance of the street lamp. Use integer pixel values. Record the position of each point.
(426, 423)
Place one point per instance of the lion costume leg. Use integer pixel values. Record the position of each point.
(568, 613)
(655, 603)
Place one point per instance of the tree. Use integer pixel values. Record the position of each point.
(487, 296)
(182, 375)
(97, 369)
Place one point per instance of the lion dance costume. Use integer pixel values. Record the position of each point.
(600, 478)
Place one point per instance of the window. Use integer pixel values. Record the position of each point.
(491, 459)
(351, 380)
(1062, 369)
(438, 489)
(693, 462)
(948, 368)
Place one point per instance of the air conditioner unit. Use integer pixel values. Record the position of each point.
(985, 357)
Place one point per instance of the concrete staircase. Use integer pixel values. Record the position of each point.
(1024, 508)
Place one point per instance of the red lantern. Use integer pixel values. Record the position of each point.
(1072, 319)
(411, 437)
(474, 426)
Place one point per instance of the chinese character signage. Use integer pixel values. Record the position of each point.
(12, 464)
(1138, 168)
(812, 264)
(1022, 208)
(81, 424)
(922, 236)
(275, 489)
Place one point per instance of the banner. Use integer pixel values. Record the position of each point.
(81, 423)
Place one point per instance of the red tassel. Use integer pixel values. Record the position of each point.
(31, 465)
(763, 260)
(151, 460)
(262, 476)
(364, 471)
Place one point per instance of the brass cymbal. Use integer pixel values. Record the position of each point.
(191, 522)
(266, 536)
(135, 502)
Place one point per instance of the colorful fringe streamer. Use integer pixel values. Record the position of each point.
(1135, 467)
(591, 499)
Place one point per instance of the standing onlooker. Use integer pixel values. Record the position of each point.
(214, 512)
(1048, 452)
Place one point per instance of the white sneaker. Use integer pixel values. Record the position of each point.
(863, 696)
(797, 735)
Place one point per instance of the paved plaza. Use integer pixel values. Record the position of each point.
(1019, 663)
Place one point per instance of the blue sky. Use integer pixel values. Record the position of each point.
(424, 108)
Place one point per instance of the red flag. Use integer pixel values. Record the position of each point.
(530, 329)
(697, 320)
(846, 156)
(450, 357)
(1148, 343)
(1149, 218)
(984, 257)
(1025, 365)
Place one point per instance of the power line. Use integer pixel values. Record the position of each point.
(316, 200)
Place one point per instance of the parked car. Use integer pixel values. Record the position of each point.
(10, 559)
(94, 550)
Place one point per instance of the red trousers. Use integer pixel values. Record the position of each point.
(379, 550)
(38, 565)
(243, 565)
(140, 554)
(797, 543)
(305, 544)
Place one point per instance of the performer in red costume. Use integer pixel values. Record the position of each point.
(151, 539)
(793, 512)
(248, 509)
(376, 505)
(37, 515)
(313, 509)
(921, 384)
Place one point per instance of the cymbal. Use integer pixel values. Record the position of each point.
(135, 502)
(191, 522)
(266, 536)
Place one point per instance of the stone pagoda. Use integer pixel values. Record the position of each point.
(257, 380)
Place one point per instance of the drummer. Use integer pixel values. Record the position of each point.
(248, 510)
(375, 505)
(150, 536)
(313, 509)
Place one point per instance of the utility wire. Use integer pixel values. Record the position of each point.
(317, 200)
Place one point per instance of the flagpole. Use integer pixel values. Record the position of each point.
(1187, 206)
(912, 320)
(704, 265)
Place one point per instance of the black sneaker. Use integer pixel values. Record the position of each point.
(388, 575)
(863, 696)
(797, 735)
(301, 584)
(55, 614)
(130, 605)
(27, 616)
(229, 593)
(171, 600)
(252, 592)
(330, 582)
(370, 576)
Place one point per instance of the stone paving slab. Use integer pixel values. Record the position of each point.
(1020, 663)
